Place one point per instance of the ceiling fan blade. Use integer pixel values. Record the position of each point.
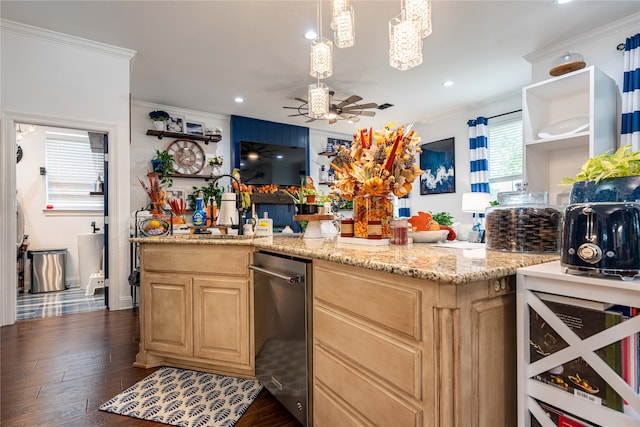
(367, 113)
(292, 108)
(354, 119)
(296, 115)
(304, 101)
(360, 106)
(350, 100)
(310, 120)
(331, 121)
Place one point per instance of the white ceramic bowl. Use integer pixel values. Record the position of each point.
(429, 236)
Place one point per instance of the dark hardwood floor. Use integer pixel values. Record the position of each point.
(57, 371)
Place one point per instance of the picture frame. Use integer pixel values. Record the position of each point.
(194, 128)
(437, 161)
(175, 124)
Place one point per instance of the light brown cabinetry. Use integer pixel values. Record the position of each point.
(391, 350)
(197, 308)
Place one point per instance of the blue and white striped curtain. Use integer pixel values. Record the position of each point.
(630, 129)
(478, 144)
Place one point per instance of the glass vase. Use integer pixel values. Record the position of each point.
(372, 208)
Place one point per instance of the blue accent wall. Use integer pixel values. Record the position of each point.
(255, 130)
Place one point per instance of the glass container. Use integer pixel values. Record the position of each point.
(523, 222)
(566, 63)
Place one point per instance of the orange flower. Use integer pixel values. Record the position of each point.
(374, 186)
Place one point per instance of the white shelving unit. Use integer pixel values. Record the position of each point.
(549, 278)
(584, 93)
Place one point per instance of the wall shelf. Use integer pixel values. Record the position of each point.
(206, 138)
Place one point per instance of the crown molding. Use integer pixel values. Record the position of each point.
(630, 23)
(65, 39)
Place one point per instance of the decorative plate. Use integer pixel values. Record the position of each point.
(565, 127)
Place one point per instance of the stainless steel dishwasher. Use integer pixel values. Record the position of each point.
(282, 289)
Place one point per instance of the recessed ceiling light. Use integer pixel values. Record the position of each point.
(238, 99)
(447, 83)
(310, 35)
(562, 1)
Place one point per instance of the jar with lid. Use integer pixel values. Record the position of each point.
(523, 222)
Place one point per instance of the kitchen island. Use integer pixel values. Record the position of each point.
(416, 335)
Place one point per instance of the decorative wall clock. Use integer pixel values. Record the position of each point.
(188, 156)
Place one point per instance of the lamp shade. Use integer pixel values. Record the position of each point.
(475, 202)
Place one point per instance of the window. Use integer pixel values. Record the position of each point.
(505, 155)
(73, 165)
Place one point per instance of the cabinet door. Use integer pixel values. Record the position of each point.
(221, 319)
(167, 314)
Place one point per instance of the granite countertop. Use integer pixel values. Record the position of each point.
(443, 263)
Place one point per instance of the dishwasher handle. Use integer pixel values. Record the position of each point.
(288, 278)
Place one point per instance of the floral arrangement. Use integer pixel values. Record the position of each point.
(154, 190)
(216, 161)
(159, 116)
(378, 163)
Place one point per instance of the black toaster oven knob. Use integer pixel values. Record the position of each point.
(588, 252)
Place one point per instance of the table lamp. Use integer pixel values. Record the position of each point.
(476, 203)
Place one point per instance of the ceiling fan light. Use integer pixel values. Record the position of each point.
(418, 11)
(344, 34)
(321, 58)
(331, 115)
(405, 44)
(318, 100)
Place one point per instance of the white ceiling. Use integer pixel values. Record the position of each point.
(201, 54)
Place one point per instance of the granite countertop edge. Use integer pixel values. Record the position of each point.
(421, 261)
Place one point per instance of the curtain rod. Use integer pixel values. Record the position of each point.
(503, 114)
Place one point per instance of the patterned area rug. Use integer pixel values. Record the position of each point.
(186, 398)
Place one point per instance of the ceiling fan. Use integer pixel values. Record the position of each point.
(348, 109)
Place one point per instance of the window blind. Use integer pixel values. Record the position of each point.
(72, 169)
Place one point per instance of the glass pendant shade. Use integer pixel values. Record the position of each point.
(321, 58)
(318, 100)
(418, 11)
(344, 34)
(337, 7)
(405, 44)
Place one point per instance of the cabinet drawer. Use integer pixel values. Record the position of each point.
(370, 295)
(379, 406)
(197, 259)
(327, 412)
(393, 361)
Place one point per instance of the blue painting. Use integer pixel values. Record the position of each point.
(437, 162)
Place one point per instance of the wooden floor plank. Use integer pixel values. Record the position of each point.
(57, 371)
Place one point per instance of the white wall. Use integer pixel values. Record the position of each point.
(143, 148)
(48, 229)
(53, 79)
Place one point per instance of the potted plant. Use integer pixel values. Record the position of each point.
(299, 195)
(216, 165)
(162, 164)
(159, 118)
(607, 178)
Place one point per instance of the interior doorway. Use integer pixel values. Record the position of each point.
(62, 235)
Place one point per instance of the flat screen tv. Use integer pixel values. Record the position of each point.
(264, 163)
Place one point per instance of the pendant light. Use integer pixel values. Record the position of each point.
(321, 58)
(405, 44)
(418, 11)
(318, 100)
(343, 27)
